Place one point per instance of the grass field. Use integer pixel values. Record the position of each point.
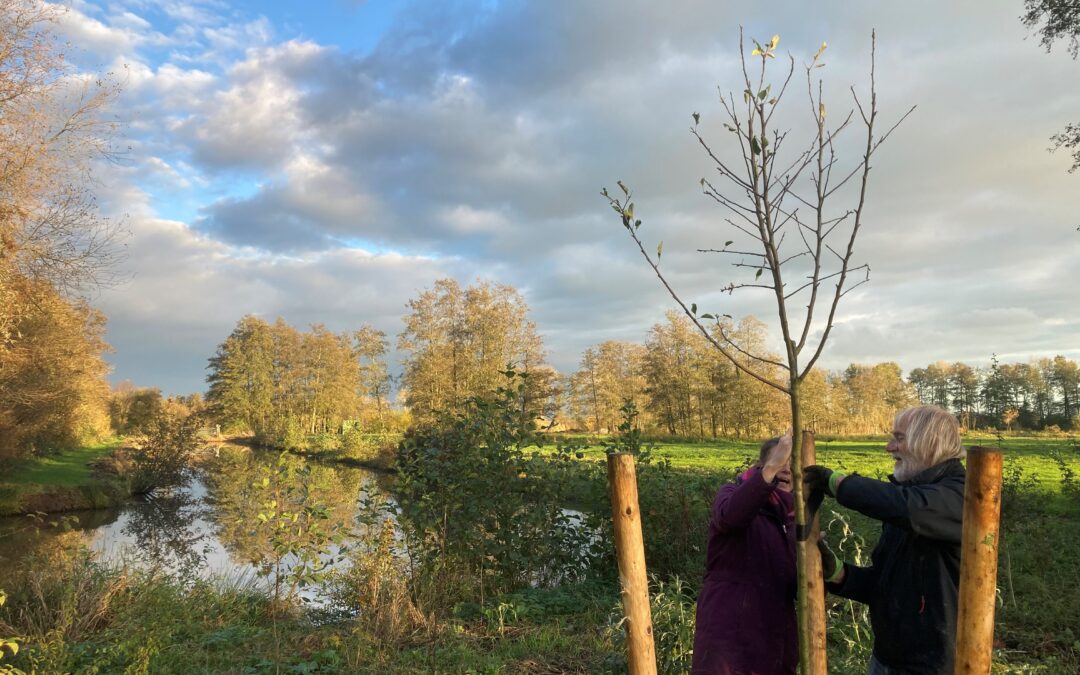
(68, 468)
(868, 456)
(57, 482)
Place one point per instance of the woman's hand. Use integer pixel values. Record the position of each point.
(779, 458)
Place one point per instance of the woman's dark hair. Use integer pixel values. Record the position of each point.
(765, 448)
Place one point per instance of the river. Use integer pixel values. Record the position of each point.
(210, 526)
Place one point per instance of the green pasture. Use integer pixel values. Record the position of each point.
(1033, 455)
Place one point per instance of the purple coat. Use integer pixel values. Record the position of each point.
(746, 608)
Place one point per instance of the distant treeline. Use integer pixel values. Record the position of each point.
(457, 343)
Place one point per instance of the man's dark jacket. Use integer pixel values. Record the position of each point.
(914, 577)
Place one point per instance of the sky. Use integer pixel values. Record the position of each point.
(328, 161)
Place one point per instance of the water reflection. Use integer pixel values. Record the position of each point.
(170, 531)
(208, 528)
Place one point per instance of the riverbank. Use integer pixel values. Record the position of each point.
(64, 481)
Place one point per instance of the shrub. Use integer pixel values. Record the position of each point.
(162, 459)
(480, 512)
(325, 442)
(673, 608)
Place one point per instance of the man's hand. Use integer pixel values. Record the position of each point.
(823, 479)
(819, 481)
(778, 459)
(816, 480)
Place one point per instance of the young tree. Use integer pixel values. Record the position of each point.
(766, 199)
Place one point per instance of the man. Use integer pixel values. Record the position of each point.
(913, 580)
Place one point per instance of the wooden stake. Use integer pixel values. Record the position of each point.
(978, 561)
(630, 552)
(815, 595)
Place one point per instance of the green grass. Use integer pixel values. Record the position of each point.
(865, 456)
(68, 468)
(58, 482)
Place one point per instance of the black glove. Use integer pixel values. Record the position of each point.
(831, 567)
(816, 480)
(816, 484)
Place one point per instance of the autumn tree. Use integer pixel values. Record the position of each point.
(54, 128)
(52, 240)
(283, 384)
(875, 394)
(608, 374)
(1064, 375)
(788, 231)
(133, 409)
(458, 341)
(369, 349)
(328, 380)
(53, 391)
(241, 377)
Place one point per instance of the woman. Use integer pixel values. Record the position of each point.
(746, 609)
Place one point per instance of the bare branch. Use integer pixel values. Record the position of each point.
(824, 278)
(629, 224)
(724, 250)
(736, 347)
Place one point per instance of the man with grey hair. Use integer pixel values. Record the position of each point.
(913, 579)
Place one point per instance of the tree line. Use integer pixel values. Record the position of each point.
(458, 343)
